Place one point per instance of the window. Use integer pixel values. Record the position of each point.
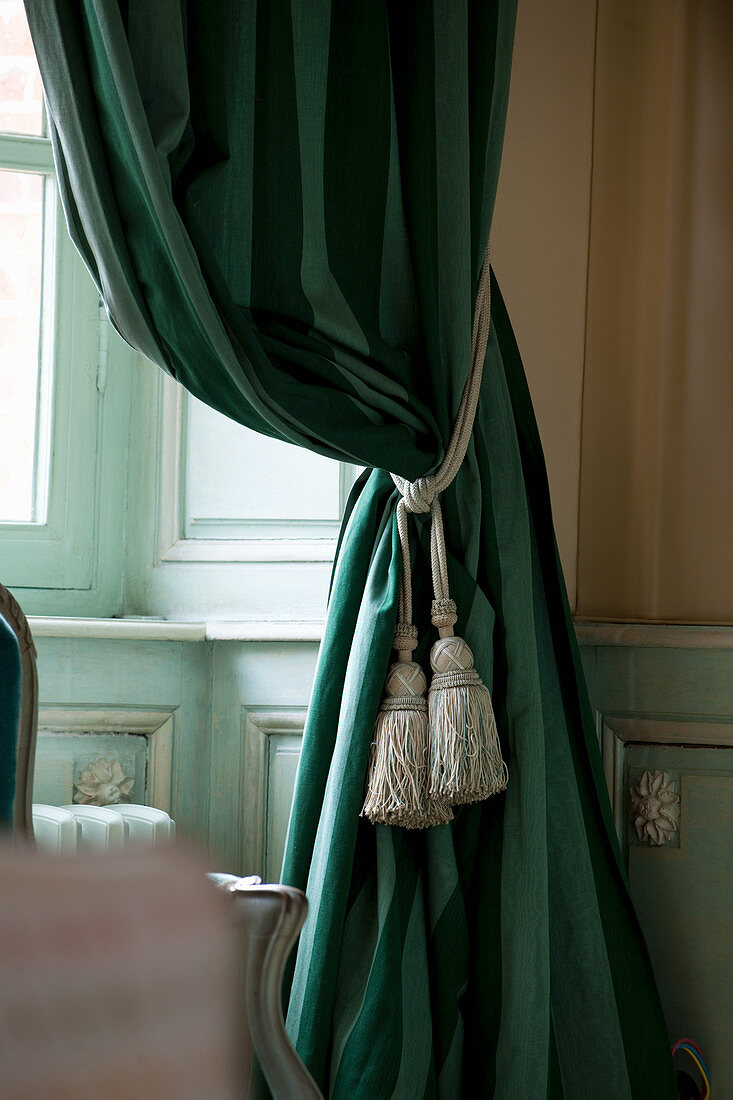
(240, 485)
(224, 523)
(52, 343)
(21, 467)
(119, 493)
(25, 198)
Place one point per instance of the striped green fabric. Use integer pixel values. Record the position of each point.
(11, 683)
(285, 204)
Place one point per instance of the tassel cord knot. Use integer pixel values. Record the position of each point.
(419, 495)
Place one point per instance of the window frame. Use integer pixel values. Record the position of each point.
(56, 551)
(254, 578)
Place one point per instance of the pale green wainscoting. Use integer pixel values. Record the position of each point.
(663, 697)
(208, 722)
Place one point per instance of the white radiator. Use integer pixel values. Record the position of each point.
(69, 829)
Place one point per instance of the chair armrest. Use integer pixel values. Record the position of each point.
(272, 917)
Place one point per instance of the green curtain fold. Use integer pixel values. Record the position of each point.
(11, 684)
(285, 205)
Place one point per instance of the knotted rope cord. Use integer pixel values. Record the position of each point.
(405, 602)
(423, 494)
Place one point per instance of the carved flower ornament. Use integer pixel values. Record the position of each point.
(655, 807)
(103, 783)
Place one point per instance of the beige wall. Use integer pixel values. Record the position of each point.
(613, 243)
(540, 235)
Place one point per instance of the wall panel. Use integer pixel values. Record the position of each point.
(540, 232)
(656, 508)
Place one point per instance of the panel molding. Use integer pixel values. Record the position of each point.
(653, 635)
(617, 731)
(258, 725)
(156, 725)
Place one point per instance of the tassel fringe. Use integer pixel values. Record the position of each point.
(397, 777)
(466, 764)
(397, 789)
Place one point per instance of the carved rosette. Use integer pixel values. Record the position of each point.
(103, 783)
(655, 808)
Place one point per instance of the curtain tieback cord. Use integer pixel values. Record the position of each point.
(429, 756)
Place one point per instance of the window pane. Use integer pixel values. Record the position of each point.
(21, 259)
(21, 94)
(236, 476)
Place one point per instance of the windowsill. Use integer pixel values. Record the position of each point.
(164, 630)
(655, 635)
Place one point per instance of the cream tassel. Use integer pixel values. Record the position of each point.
(397, 790)
(422, 762)
(466, 764)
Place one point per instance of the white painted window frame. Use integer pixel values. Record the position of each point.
(60, 551)
(250, 577)
(241, 540)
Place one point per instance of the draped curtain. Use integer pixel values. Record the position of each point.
(285, 205)
(10, 692)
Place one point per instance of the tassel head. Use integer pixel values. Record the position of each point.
(397, 791)
(465, 755)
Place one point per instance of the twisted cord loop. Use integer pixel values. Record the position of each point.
(422, 495)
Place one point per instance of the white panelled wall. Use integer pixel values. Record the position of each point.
(207, 728)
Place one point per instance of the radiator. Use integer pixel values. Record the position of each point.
(70, 829)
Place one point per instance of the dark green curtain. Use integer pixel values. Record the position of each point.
(285, 205)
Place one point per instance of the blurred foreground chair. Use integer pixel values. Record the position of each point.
(120, 977)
